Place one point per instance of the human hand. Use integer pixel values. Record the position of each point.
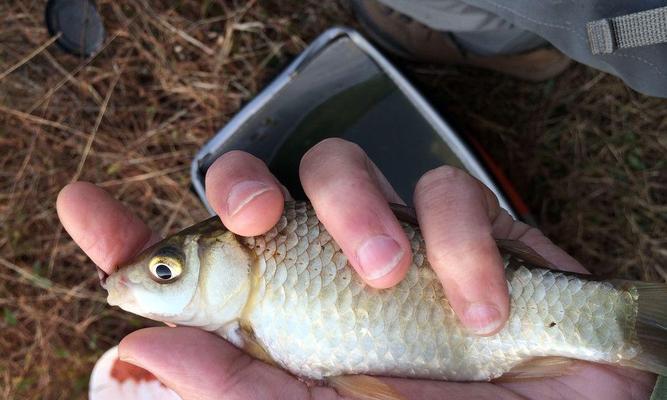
(459, 218)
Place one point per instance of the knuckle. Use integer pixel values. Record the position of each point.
(234, 156)
(331, 146)
(335, 143)
(443, 175)
(442, 252)
(237, 165)
(332, 160)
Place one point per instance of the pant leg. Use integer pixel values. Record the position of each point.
(475, 29)
(563, 23)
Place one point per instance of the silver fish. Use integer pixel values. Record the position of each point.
(290, 297)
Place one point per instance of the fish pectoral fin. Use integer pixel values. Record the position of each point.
(521, 250)
(253, 347)
(540, 367)
(363, 387)
(514, 247)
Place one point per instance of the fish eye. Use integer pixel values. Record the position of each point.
(163, 271)
(165, 268)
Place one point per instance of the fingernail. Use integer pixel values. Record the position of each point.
(378, 256)
(482, 318)
(243, 193)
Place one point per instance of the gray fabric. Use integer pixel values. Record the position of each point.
(496, 42)
(628, 31)
(564, 24)
(475, 30)
(449, 15)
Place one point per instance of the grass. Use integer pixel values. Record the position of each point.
(585, 151)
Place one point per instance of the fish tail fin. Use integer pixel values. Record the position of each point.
(651, 327)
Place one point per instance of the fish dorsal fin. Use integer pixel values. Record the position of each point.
(363, 387)
(514, 247)
(207, 226)
(521, 250)
(540, 367)
(404, 213)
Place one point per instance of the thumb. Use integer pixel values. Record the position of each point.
(199, 365)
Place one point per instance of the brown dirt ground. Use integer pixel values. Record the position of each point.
(587, 153)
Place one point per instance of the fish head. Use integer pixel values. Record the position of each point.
(198, 277)
(160, 282)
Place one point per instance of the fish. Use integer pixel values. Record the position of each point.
(290, 298)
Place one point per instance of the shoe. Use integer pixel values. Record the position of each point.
(409, 39)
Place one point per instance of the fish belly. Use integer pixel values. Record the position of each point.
(316, 318)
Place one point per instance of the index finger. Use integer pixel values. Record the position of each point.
(243, 192)
(104, 229)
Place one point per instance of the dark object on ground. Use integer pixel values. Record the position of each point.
(78, 22)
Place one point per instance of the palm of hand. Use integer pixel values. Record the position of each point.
(591, 381)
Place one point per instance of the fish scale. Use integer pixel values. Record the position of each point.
(335, 324)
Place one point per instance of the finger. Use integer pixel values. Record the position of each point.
(336, 178)
(455, 213)
(200, 365)
(104, 229)
(244, 193)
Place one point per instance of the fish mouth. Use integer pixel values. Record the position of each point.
(103, 277)
(119, 292)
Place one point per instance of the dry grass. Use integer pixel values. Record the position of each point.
(587, 153)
